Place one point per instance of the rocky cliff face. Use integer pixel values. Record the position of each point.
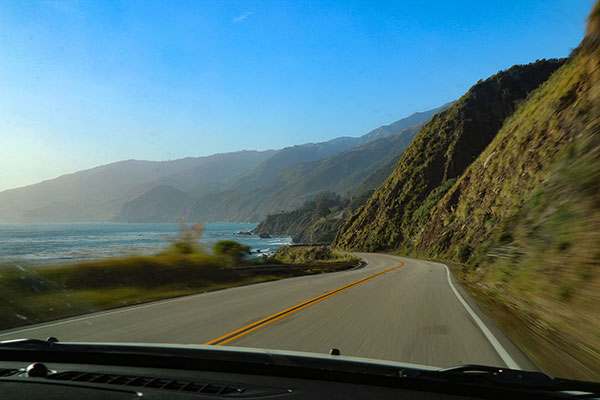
(441, 152)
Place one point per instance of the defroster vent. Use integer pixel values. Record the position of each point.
(178, 385)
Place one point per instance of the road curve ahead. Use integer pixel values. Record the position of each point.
(394, 308)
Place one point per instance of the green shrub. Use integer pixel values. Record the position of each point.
(563, 245)
(449, 219)
(464, 252)
(232, 252)
(565, 292)
(307, 255)
(187, 239)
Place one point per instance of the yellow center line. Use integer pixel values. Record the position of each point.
(238, 333)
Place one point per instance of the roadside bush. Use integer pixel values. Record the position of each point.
(232, 252)
(307, 255)
(187, 240)
(464, 252)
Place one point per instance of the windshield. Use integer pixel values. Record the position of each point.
(405, 181)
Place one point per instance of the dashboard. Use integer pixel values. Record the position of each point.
(30, 380)
(37, 369)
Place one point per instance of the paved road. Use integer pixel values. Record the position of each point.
(411, 314)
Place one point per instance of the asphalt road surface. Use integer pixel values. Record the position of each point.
(393, 308)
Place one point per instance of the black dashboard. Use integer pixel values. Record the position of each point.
(35, 369)
(73, 381)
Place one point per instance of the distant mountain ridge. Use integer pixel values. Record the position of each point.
(97, 194)
(290, 188)
(162, 203)
(114, 191)
(290, 156)
(413, 119)
(305, 153)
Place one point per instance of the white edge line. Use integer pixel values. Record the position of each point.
(508, 360)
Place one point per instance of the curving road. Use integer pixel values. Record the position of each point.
(394, 308)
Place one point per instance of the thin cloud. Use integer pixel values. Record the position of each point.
(242, 17)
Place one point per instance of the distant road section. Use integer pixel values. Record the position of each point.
(394, 308)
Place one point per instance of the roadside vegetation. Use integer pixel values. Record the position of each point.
(37, 294)
(310, 254)
(519, 219)
(524, 223)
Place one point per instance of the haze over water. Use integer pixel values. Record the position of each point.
(69, 242)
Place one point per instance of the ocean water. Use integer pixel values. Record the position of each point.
(70, 242)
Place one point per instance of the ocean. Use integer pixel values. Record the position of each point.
(71, 242)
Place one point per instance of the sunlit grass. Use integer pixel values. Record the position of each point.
(309, 254)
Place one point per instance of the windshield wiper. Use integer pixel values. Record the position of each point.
(28, 343)
(505, 377)
(472, 376)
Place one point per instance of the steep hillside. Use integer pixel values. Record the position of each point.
(308, 152)
(376, 179)
(413, 119)
(293, 186)
(521, 225)
(344, 172)
(97, 194)
(304, 224)
(444, 148)
(524, 220)
(162, 203)
(288, 157)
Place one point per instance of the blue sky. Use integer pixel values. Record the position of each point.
(84, 83)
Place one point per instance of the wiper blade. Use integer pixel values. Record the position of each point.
(505, 377)
(471, 376)
(499, 375)
(28, 343)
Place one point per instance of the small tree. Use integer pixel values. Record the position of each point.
(322, 210)
(187, 240)
(231, 251)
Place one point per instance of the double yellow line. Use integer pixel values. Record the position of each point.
(231, 336)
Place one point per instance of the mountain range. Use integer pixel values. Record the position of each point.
(98, 194)
(197, 188)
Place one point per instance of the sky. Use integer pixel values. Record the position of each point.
(86, 83)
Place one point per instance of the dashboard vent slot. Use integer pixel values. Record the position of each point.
(148, 382)
(8, 372)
